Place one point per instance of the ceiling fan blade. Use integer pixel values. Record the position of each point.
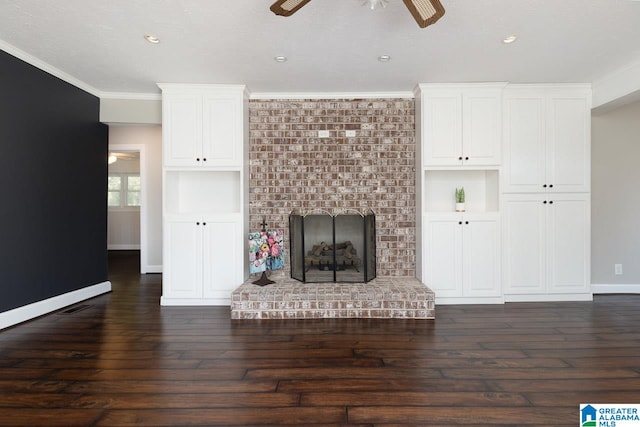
(425, 12)
(287, 7)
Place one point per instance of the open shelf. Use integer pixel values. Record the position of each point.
(202, 192)
(480, 187)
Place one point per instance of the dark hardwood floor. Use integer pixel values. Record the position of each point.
(121, 359)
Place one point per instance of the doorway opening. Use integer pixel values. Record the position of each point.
(124, 200)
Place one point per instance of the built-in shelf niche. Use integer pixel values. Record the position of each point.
(202, 192)
(480, 187)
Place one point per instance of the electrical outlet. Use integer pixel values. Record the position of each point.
(618, 269)
(323, 134)
(350, 133)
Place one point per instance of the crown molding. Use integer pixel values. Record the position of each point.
(132, 96)
(330, 95)
(617, 88)
(48, 68)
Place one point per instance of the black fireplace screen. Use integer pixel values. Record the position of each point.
(327, 248)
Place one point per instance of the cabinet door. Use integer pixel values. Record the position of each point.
(222, 127)
(524, 145)
(481, 131)
(568, 147)
(222, 259)
(182, 276)
(442, 128)
(524, 231)
(443, 255)
(182, 129)
(568, 243)
(481, 256)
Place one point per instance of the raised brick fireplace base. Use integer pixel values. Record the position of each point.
(289, 299)
(367, 162)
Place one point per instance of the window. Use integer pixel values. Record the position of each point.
(123, 190)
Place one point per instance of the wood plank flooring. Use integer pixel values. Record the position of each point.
(123, 360)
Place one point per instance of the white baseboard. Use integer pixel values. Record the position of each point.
(151, 269)
(194, 301)
(36, 309)
(547, 297)
(615, 289)
(123, 247)
(468, 300)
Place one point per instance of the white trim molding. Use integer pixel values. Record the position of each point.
(40, 308)
(164, 301)
(123, 247)
(468, 300)
(48, 68)
(151, 269)
(131, 96)
(548, 297)
(604, 288)
(331, 95)
(618, 88)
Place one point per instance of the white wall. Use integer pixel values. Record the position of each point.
(147, 140)
(134, 111)
(615, 233)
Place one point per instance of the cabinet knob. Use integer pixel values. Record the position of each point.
(197, 159)
(545, 202)
(550, 185)
(198, 223)
(466, 222)
(466, 158)
(460, 158)
(204, 223)
(204, 159)
(460, 222)
(544, 186)
(550, 202)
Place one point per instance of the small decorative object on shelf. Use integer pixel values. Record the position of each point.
(460, 199)
(266, 252)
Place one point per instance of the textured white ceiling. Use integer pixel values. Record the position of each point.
(332, 45)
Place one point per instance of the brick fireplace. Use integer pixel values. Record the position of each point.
(292, 168)
(335, 155)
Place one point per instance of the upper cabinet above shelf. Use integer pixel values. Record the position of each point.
(460, 125)
(202, 128)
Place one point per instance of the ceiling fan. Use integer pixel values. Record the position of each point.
(425, 12)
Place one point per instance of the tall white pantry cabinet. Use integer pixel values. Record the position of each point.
(522, 154)
(205, 186)
(546, 204)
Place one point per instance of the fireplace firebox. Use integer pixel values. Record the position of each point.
(333, 248)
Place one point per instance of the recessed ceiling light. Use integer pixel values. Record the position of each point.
(510, 39)
(384, 58)
(280, 58)
(151, 38)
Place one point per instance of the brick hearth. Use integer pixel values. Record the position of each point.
(289, 299)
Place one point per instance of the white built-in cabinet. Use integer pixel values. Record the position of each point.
(547, 243)
(459, 139)
(462, 256)
(202, 128)
(546, 140)
(522, 154)
(197, 267)
(205, 192)
(545, 204)
(463, 124)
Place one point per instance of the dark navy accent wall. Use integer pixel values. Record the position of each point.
(53, 174)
